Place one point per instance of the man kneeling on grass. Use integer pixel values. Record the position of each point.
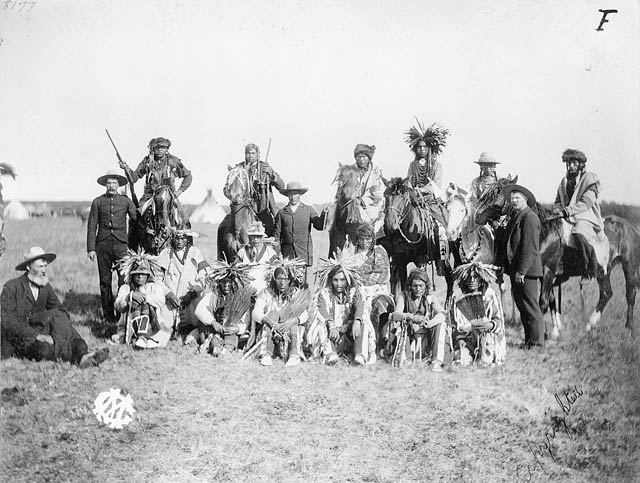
(281, 311)
(34, 324)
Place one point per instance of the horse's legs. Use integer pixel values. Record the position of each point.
(631, 283)
(448, 276)
(553, 309)
(604, 284)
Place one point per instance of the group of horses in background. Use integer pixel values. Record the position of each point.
(469, 231)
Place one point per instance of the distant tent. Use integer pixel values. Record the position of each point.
(15, 211)
(209, 211)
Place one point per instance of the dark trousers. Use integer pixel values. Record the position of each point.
(527, 298)
(108, 254)
(67, 346)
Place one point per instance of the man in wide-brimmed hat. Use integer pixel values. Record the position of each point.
(523, 263)
(487, 178)
(370, 187)
(258, 254)
(34, 324)
(293, 225)
(160, 168)
(107, 237)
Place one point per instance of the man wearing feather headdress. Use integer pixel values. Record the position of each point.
(184, 269)
(418, 325)
(578, 201)
(338, 326)
(425, 173)
(262, 180)
(370, 187)
(145, 319)
(280, 311)
(223, 311)
(478, 320)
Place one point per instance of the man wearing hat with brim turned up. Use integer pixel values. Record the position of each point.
(293, 225)
(257, 253)
(523, 263)
(160, 168)
(34, 324)
(487, 178)
(107, 237)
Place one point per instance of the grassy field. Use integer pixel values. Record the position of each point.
(204, 419)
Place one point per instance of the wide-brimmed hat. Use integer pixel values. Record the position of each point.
(487, 158)
(113, 174)
(256, 229)
(294, 187)
(507, 189)
(33, 254)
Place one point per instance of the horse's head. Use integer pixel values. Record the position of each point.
(457, 208)
(347, 178)
(492, 204)
(397, 196)
(238, 188)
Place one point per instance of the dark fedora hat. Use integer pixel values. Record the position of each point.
(508, 189)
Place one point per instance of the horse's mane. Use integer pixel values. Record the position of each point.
(493, 191)
(346, 177)
(397, 186)
(547, 221)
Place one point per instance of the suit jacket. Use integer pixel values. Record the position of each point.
(17, 305)
(523, 245)
(584, 204)
(293, 231)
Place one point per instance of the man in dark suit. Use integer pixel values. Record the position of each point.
(107, 236)
(34, 324)
(293, 225)
(523, 263)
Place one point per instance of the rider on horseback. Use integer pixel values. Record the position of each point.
(371, 186)
(487, 178)
(160, 168)
(425, 175)
(578, 201)
(261, 178)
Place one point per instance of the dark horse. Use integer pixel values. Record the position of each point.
(232, 232)
(404, 225)
(152, 229)
(347, 216)
(560, 262)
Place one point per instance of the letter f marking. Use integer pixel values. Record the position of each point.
(604, 18)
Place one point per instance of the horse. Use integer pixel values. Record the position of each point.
(561, 262)
(347, 215)
(404, 227)
(476, 242)
(232, 232)
(161, 215)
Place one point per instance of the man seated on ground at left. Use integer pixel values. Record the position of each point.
(34, 324)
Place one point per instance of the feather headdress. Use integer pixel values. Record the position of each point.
(347, 263)
(483, 271)
(237, 272)
(138, 262)
(295, 268)
(434, 136)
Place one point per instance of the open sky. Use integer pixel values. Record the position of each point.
(523, 79)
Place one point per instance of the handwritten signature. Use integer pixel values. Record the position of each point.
(565, 400)
(19, 6)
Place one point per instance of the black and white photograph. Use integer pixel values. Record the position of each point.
(319, 241)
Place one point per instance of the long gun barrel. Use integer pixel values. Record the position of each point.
(134, 198)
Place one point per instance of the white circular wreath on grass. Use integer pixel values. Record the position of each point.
(113, 408)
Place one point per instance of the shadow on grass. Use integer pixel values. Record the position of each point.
(85, 309)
